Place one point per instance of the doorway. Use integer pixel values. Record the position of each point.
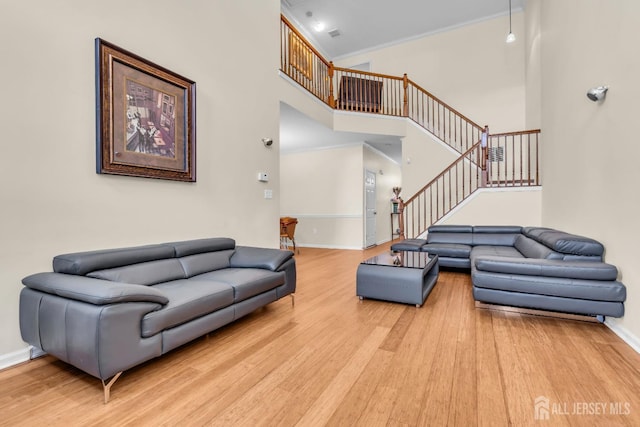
(369, 208)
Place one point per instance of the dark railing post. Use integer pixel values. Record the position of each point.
(405, 102)
(332, 100)
(485, 156)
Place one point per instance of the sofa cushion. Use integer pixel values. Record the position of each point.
(448, 250)
(446, 228)
(203, 263)
(496, 239)
(81, 263)
(145, 273)
(92, 291)
(457, 238)
(188, 299)
(192, 247)
(565, 243)
(409, 245)
(532, 249)
(552, 286)
(504, 251)
(493, 229)
(246, 282)
(269, 259)
(551, 268)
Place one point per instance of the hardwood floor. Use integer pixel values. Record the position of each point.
(335, 360)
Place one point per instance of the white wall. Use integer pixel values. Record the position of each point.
(323, 189)
(423, 158)
(471, 68)
(533, 65)
(591, 149)
(490, 206)
(53, 201)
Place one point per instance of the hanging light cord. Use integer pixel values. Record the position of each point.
(510, 16)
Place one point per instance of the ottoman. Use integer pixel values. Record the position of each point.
(405, 277)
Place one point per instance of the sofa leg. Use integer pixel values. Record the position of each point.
(106, 388)
(293, 300)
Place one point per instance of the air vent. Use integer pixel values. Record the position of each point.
(334, 33)
(496, 154)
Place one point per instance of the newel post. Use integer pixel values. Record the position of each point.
(405, 102)
(485, 156)
(332, 101)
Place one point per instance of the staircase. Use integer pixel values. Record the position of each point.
(484, 161)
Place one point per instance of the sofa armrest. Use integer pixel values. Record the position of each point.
(588, 270)
(93, 291)
(265, 258)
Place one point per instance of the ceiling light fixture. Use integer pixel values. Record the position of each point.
(510, 37)
(315, 24)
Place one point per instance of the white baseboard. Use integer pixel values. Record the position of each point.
(11, 359)
(313, 245)
(623, 333)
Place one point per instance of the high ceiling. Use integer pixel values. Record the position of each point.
(366, 25)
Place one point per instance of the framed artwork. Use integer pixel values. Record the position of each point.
(300, 56)
(145, 117)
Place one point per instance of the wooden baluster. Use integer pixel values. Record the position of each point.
(332, 100)
(485, 156)
(405, 102)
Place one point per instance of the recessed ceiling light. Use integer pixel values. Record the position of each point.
(319, 26)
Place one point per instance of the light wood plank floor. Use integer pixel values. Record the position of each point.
(335, 360)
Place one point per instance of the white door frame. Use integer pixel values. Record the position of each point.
(370, 210)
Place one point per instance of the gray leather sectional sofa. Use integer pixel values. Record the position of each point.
(531, 267)
(109, 310)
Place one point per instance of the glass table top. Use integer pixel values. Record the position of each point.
(406, 259)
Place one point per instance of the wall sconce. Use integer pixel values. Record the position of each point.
(267, 142)
(510, 37)
(597, 93)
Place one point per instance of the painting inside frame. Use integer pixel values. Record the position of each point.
(146, 117)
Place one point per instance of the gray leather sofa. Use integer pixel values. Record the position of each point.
(530, 267)
(109, 310)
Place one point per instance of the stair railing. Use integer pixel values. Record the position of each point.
(443, 193)
(353, 90)
(504, 160)
(440, 119)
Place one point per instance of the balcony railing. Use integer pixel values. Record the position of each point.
(361, 91)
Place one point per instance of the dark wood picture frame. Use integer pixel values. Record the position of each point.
(145, 117)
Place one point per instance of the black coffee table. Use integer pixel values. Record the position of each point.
(405, 277)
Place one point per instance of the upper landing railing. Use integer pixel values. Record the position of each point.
(352, 90)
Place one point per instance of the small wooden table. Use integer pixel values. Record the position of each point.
(404, 277)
